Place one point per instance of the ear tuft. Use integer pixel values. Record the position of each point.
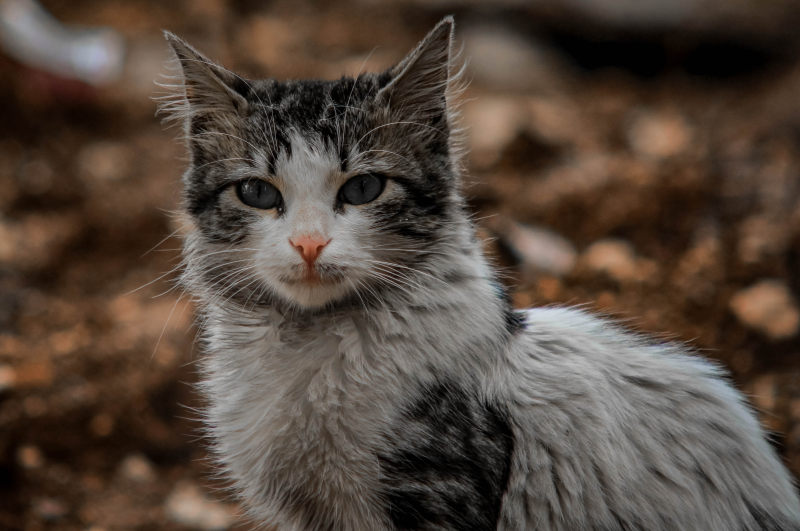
(198, 86)
(420, 81)
(424, 88)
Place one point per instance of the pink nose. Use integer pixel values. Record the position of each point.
(309, 246)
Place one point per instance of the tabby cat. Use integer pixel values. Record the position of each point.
(364, 369)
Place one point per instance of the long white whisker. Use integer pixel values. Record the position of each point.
(165, 238)
(164, 328)
(362, 153)
(170, 272)
(226, 160)
(396, 123)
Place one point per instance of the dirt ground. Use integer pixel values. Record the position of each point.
(652, 175)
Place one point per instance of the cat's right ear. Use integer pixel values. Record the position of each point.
(421, 82)
(203, 87)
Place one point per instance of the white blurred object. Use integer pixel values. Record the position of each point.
(537, 248)
(32, 36)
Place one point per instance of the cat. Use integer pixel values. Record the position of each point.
(365, 370)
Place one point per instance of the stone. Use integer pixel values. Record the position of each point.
(29, 457)
(537, 248)
(616, 258)
(137, 468)
(105, 161)
(658, 135)
(8, 377)
(493, 124)
(767, 307)
(50, 509)
(188, 506)
(499, 57)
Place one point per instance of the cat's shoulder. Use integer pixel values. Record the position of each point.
(574, 339)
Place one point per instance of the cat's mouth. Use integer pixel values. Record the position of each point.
(320, 275)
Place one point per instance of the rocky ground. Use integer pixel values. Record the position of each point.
(642, 167)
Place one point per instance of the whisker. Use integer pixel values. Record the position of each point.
(165, 238)
(396, 123)
(225, 160)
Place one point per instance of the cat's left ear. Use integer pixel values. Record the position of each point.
(420, 83)
(208, 88)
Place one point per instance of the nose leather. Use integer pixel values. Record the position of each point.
(309, 246)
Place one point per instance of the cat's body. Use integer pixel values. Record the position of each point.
(365, 371)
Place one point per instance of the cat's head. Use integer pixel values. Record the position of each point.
(313, 192)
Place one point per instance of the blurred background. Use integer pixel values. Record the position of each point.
(638, 157)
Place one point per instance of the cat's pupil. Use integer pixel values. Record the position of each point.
(258, 194)
(362, 189)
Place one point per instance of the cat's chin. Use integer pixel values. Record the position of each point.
(313, 294)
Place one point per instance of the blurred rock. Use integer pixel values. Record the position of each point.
(268, 40)
(188, 506)
(493, 124)
(50, 509)
(29, 457)
(581, 176)
(34, 374)
(762, 237)
(32, 241)
(658, 135)
(502, 58)
(767, 307)
(764, 392)
(8, 377)
(557, 120)
(137, 468)
(617, 259)
(105, 160)
(536, 248)
(34, 406)
(36, 177)
(102, 425)
(144, 63)
(698, 275)
(528, 153)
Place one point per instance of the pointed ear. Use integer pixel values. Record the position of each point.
(420, 82)
(204, 88)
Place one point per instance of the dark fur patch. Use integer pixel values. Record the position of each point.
(455, 476)
(421, 214)
(513, 320)
(768, 522)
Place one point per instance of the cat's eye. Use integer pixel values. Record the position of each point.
(362, 189)
(258, 194)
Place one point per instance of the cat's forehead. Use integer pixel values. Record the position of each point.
(303, 100)
(314, 116)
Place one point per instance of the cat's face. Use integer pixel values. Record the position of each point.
(314, 192)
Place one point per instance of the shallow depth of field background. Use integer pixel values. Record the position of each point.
(638, 158)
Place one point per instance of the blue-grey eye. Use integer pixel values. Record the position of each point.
(362, 189)
(258, 194)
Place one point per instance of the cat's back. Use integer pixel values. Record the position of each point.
(613, 432)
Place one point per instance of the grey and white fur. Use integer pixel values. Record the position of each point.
(383, 381)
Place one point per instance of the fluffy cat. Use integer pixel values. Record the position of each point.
(364, 370)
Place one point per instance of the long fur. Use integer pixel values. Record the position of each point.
(401, 390)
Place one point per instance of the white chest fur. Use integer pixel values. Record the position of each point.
(294, 413)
